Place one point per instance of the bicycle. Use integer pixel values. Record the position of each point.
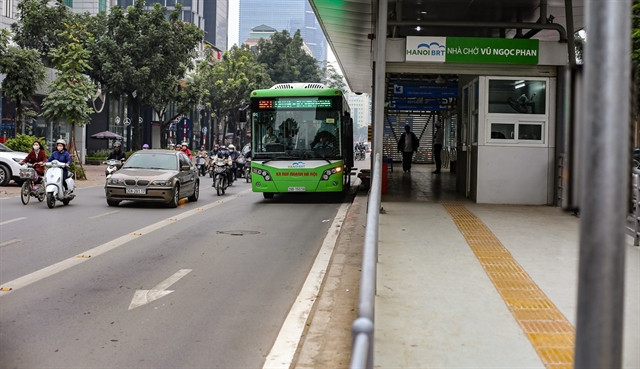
(31, 186)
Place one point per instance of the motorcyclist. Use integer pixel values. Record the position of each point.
(234, 155)
(185, 149)
(224, 155)
(202, 153)
(117, 152)
(36, 157)
(62, 155)
(145, 147)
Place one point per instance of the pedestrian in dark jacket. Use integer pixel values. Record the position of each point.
(407, 147)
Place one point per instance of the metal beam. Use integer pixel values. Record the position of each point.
(510, 25)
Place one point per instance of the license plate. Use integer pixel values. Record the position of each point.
(297, 189)
(137, 191)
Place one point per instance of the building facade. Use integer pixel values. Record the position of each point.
(289, 15)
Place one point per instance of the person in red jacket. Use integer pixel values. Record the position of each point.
(185, 149)
(37, 157)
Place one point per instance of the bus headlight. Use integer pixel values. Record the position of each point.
(262, 172)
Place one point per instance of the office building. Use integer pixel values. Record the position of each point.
(289, 15)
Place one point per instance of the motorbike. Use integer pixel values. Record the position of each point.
(54, 187)
(240, 163)
(360, 155)
(201, 165)
(220, 179)
(32, 185)
(112, 166)
(247, 169)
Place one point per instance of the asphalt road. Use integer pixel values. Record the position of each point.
(92, 282)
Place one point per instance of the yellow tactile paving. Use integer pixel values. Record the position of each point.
(550, 333)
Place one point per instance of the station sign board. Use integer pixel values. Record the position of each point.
(472, 50)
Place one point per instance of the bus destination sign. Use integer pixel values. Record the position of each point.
(302, 103)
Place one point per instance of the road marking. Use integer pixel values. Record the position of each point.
(105, 214)
(12, 220)
(286, 344)
(142, 297)
(10, 242)
(549, 331)
(91, 254)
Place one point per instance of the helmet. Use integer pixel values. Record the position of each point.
(231, 147)
(145, 146)
(61, 141)
(184, 144)
(117, 144)
(171, 145)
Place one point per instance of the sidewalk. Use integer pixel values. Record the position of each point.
(461, 285)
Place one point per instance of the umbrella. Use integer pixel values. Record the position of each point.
(108, 135)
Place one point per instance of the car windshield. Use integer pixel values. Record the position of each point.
(152, 161)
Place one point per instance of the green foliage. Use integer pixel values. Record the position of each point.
(142, 54)
(24, 143)
(78, 170)
(24, 73)
(69, 92)
(227, 84)
(331, 78)
(286, 60)
(39, 24)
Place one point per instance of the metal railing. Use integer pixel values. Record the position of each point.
(634, 229)
(362, 328)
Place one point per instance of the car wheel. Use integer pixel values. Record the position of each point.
(196, 192)
(5, 175)
(113, 202)
(176, 197)
(51, 200)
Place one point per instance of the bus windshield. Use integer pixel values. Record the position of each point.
(297, 133)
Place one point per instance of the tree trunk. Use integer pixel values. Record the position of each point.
(135, 119)
(18, 120)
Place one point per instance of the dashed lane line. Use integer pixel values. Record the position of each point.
(63, 265)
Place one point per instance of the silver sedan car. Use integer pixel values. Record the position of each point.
(154, 176)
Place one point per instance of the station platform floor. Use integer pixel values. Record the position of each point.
(465, 285)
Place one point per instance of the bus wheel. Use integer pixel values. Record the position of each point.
(268, 195)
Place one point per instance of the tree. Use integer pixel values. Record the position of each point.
(228, 83)
(70, 91)
(286, 60)
(331, 78)
(138, 53)
(39, 25)
(24, 73)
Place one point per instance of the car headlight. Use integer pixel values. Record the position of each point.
(115, 181)
(160, 182)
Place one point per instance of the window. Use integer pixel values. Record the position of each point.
(517, 96)
(515, 131)
(68, 3)
(102, 5)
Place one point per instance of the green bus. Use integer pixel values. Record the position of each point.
(301, 139)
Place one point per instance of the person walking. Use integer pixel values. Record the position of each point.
(438, 141)
(407, 146)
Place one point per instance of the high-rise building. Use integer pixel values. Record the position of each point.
(289, 15)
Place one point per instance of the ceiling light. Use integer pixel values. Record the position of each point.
(418, 28)
(519, 85)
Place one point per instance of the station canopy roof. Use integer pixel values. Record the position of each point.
(347, 25)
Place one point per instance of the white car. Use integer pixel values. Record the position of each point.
(9, 167)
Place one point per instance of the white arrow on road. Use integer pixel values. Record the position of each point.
(142, 297)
